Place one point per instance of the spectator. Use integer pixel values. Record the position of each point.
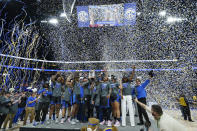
(185, 107)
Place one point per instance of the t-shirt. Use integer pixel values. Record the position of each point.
(104, 89)
(96, 95)
(76, 89)
(29, 100)
(57, 89)
(22, 104)
(182, 101)
(167, 123)
(44, 97)
(115, 88)
(140, 91)
(127, 89)
(67, 93)
(86, 86)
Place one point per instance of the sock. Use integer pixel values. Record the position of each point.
(118, 119)
(115, 118)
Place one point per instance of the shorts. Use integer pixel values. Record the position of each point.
(115, 97)
(65, 104)
(56, 100)
(105, 102)
(76, 99)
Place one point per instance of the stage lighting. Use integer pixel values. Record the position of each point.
(53, 21)
(162, 13)
(43, 21)
(63, 15)
(171, 19)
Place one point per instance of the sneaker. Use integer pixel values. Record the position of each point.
(49, 121)
(62, 120)
(123, 125)
(113, 121)
(73, 122)
(35, 123)
(117, 124)
(42, 122)
(109, 123)
(77, 121)
(103, 122)
(68, 119)
(56, 120)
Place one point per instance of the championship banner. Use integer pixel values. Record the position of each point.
(107, 15)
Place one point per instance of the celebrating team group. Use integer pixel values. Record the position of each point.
(81, 96)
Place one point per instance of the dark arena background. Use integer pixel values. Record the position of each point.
(41, 37)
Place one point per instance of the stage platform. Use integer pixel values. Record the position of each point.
(68, 127)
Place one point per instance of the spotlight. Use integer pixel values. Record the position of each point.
(53, 21)
(162, 13)
(63, 15)
(43, 21)
(171, 19)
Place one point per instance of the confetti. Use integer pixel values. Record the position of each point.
(152, 38)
